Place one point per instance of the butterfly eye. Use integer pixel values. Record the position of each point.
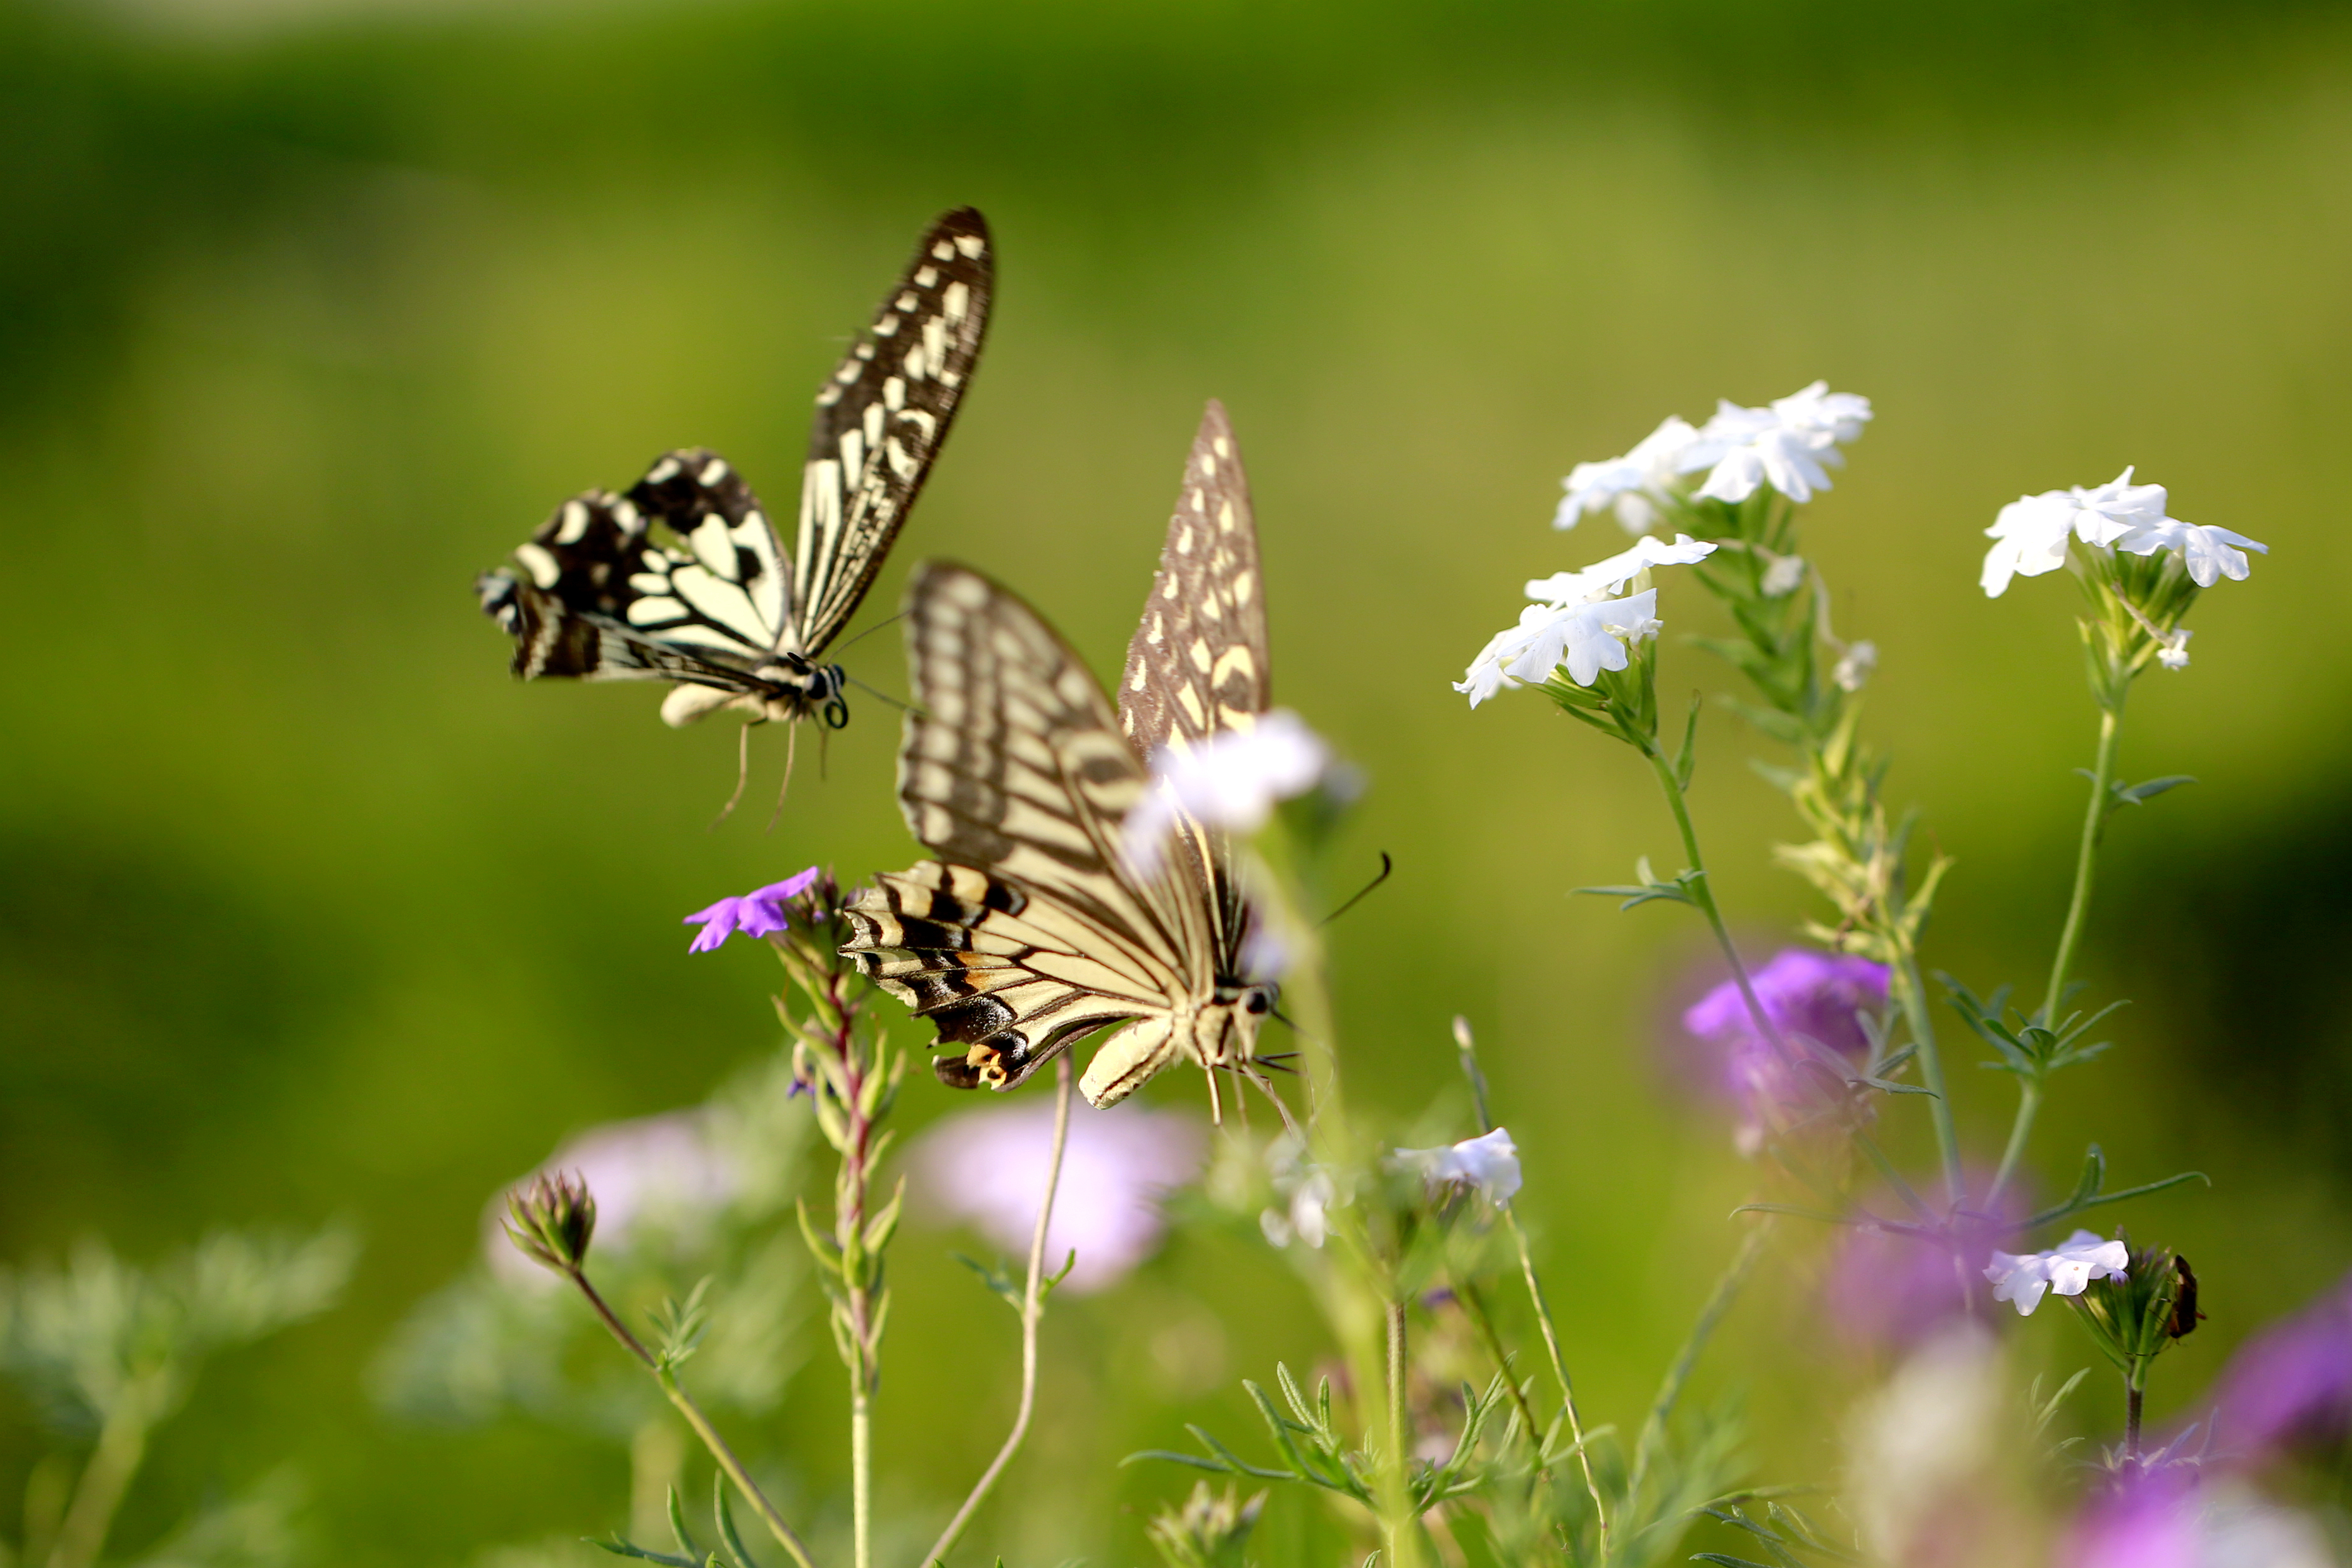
(1257, 1003)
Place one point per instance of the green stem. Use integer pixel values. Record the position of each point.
(121, 1445)
(2134, 1389)
(1475, 1305)
(1703, 895)
(728, 1463)
(1911, 996)
(2085, 860)
(1559, 1373)
(1398, 1445)
(2028, 1102)
(1033, 1308)
(1726, 1291)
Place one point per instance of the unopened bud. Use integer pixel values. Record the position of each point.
(553, 1219)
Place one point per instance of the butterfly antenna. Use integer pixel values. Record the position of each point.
(742, 776)
(791, 750)
(1387, 866)
(877, 691)
(869, 632)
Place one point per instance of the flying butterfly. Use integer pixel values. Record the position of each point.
(682, 579)
(1034, 930)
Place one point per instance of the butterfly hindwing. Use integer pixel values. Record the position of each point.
(1032, 930)
(881, 418)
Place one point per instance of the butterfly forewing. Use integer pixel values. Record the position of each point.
(1199, 663)
(880, 418)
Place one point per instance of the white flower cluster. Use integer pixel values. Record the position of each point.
(1789, 445)
(1307, 1192)
(2032, 534)
(2065, 1269)
(1578, 620)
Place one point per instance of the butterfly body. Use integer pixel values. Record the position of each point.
(1035, 928)
(682, 579)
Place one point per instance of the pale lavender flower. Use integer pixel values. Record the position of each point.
(1806, 993)
(1231, 781)
(2164, 1519)
(659, 1171)
(987, 1166)
(760, 912)
(2292, 1383)
(2067, 1268)
(1490, 1163)
(2208, 553)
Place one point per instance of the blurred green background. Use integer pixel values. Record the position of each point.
(310, 312)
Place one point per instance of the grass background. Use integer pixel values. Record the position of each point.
(307, 313)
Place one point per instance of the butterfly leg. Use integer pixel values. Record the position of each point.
(742, 776)
(791, 750)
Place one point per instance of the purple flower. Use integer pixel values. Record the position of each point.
(2163, 1519)
(2291, 1384)
(988, 1166)
(758, 912)
(1815, 996)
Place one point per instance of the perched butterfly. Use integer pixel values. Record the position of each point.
(682, 579)
(1034, 930)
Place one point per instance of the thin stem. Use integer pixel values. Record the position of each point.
(2134, 1389)
(1911, 996)
(1559, 1373)
(2029, 1101)
(1397, 1446)
(121, 1445)
(2086, 861)
(1033, 1310)
(1703, 895)
(1661, 1409)
(695, 1418)
(1476, 1307)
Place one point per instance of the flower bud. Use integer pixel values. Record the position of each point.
(1212, 1530)
(552, 1220)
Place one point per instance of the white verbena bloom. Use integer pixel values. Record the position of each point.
(2210, 553)
(1603, 579)
(2030, 534)
(1790, 445)
(2065, 1269)
(1489, 1163)
(1588, 639)
(1307, 1194)
(1231, 781)
(1855, 665)
(1632, 486)
(2172, 649)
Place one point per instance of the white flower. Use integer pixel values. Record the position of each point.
(1632, 486)
(2172, 649)
(2065, 1269)
(1918, 1449)
(987, 1166)
(2032, 533)
(2029, 538)
(2210, 553)
(1789, 446)
(1489, 1163)
(1232, 781)
(1855, 666)
(1603, 579)
(1308, 1192)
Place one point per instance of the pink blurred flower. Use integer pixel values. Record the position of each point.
(2164, 1519)
(2292, 1383)
(1806, 994)
(656, 1170)
(987, 1166)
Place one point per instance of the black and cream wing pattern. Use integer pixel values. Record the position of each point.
(682, 578)
(1033, 928)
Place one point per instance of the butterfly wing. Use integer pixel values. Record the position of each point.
(1032, 930)
(1199, 664)
(881, 418)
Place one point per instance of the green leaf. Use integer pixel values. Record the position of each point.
(677, 1528)
(2141, 794)
(620, 1548)
(995, 1278)
(725, 1518)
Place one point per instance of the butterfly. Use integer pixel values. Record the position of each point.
(1033, 929)
(682, 579)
